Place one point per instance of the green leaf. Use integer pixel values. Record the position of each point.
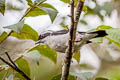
(65, 1)
(29, 2)
(91, 30)
(39, 1)
(24, 66)
(103, 27)
(3, 36)
(97, 40)
(68, 1)
(86, 66)
(10, 6)
(85, 8)
(48, 6)
(64, 26)
(73, 75)
(51, 12)
(83, 0)
(95, 11)
(77, 56)
(111, 72)
(83, 75)
(36, 12)
(16, 27)
(58, 77)
(114, 35)
(101, 78)
(100, 39)
(108, 8)
(43, 9)
(46, 51)
(2, 6)
(2, 72)
(26, 33)
(34, 55)
(10, 77)
(83, 22)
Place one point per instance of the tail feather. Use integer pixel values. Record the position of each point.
(101, 33)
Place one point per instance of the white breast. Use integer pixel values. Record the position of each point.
(58, 43)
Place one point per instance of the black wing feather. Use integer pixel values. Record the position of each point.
(52, 33)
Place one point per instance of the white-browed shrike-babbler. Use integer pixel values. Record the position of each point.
(58, 40)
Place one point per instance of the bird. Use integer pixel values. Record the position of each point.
(58, 40)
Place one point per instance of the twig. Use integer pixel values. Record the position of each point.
(14, 67)
(10, 59)
(78, 13)
(72, 35)
(30, 9)
(5, 75)
(7, 36)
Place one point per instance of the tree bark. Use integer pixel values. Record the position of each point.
(72, 36)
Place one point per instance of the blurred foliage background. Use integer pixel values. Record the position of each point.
(96, 61)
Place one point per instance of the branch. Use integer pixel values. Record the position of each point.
(4, 76)
(68, 53)
(30, 9)
(78, 13)
(10, 59)
(7, 36)
(13, 65)
(72, 35)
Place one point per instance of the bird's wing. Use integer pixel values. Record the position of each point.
(51, 33)
(60, 32)
(82, 33)
(100, 33)
(44, 35)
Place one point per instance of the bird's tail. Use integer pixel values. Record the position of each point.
(100, 33)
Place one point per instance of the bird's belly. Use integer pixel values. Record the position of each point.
(58, 45)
